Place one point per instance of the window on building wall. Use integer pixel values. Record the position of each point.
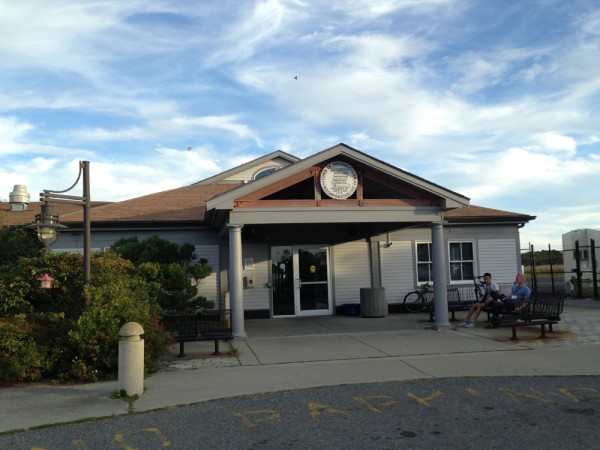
(264, 172)
(461, 261)
(424, 263)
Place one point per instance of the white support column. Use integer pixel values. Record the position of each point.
(236, 286)
(439, 278)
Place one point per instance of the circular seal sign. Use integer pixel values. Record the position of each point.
(339, 180)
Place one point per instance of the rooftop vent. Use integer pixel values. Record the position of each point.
(19, 198)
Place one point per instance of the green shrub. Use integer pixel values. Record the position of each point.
(50, 331)
(96, 332)
(16, 243)
(20, 356)
(70, 332)
(13, 295)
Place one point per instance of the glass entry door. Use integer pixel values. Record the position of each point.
(282, 274)
(300, 277)
(311, 275)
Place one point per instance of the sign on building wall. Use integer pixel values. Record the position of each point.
(339, 180)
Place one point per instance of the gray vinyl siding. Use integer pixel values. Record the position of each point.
(496, 251)
(103, 239)
(499, 257)
(209, 286)
(257, 297)
(397, 270)
(351, 271)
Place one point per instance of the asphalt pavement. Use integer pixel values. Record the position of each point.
(290, 354)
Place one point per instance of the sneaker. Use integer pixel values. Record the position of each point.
(464, 324)
(471, 324)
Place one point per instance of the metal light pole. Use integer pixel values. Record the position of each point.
(47, 223)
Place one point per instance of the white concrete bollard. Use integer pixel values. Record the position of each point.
(131, 359)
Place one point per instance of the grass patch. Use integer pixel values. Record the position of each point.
(233, 351)
(557, 269)
(130, 399)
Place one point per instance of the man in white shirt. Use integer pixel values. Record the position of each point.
(491, 293)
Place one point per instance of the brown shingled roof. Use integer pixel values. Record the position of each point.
(188, 204)
(184, 204)
(481, 214)
(12, 218)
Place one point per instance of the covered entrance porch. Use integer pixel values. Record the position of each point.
(299, 213)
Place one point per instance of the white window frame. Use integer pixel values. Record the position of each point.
(429, 262)
(462, 261)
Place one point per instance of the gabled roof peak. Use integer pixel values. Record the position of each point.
(229, 176)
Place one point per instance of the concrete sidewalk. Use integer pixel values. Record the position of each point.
(302, 353)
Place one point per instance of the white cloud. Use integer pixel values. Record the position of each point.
(589, 22)
(479, 70)
(242, 38)
(555, 142)
(101, 134)
(552, 222)
(518, 170)
(373, 9)
(505, 112)
(227, 123)
(12, 130)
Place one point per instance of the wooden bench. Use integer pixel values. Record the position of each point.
(204, 325)
(542, 310)
(455, 303)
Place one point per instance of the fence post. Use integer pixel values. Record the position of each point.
(594, 267)
(551, 268)
(578, 270)
(533, 272)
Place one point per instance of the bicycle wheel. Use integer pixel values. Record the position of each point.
(414, 302)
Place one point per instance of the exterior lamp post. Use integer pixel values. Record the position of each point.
(47, 223)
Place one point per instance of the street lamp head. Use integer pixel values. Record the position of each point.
(47, 225)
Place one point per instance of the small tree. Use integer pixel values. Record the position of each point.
(17, 242)
(166, 265)
(153, 249)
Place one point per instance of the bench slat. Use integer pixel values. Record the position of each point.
(205, 325)
(542, 310)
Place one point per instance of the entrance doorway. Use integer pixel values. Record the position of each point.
(300, 280)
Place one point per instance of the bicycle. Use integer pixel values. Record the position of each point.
(479, 289)
(419, 300)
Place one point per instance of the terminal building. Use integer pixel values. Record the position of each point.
(298, 237)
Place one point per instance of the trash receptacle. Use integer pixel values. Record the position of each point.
(372, 302)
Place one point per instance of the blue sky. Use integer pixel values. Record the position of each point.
(497, 100)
